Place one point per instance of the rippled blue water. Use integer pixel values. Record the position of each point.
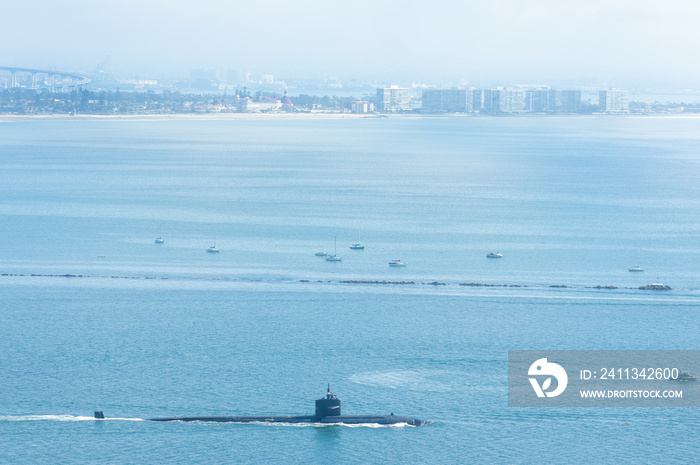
(156, 330)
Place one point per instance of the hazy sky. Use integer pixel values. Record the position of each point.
(534, 41)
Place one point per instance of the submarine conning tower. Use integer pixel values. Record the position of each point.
(328, 406)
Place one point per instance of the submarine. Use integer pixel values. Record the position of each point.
(328, 411)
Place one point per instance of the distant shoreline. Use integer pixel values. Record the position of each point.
(202, 116)
(250, 116)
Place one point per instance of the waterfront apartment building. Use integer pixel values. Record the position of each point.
(565, 100)
(537, 100)
(542, 99)
(362, 107)
(613, 101)
(512, 101)
(490, 100)
(504, 100)
(393, 98)
(477, 100)
(446, 101)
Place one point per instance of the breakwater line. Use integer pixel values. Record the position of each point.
(647, 287)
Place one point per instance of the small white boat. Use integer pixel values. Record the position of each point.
(321, 254)
(397, 262)
(334, 257)
(636, 268)
(159, 240)
(213, 249)
(494, 255)
(686, 376)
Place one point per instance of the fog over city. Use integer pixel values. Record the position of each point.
(606, 42)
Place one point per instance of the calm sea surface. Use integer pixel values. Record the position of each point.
(144, 329)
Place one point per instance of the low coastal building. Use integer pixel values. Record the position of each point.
(266, 104)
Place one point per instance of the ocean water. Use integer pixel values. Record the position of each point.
(95, 315)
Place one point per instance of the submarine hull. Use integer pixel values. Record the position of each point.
(328, 411)
(344, 419)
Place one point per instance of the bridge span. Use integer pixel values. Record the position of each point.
(39, 79)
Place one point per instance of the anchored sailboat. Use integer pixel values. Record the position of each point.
(359, 245)
(334, 257)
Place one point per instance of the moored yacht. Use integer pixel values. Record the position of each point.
(397, 261)
(685, 376)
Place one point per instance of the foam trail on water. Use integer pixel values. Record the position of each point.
(375, 425)
(69, 418)
(325, 425)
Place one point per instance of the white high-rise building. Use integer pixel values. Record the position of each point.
(447, 100)
(504, 100)
(393, 98)
(614, 101)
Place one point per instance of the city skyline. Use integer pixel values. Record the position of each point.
(619, 43)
